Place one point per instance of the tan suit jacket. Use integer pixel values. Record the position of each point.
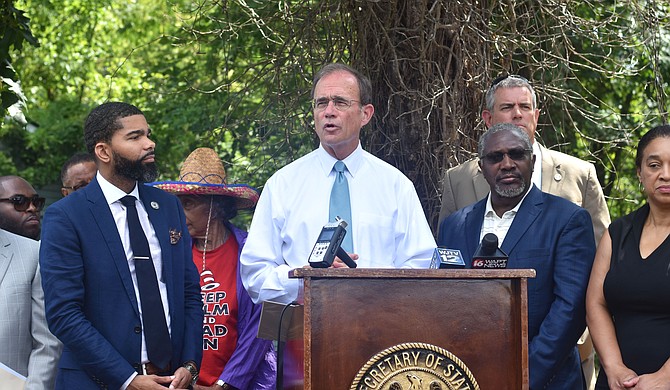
(562, 175)
(26, 345)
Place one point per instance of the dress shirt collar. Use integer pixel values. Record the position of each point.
(113, 193)
(352, 161)
(499, 225)
(515, 209)
(537, 168)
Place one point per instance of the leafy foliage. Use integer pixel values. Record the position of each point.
(235, 75)
(14, 31)
(432, 61)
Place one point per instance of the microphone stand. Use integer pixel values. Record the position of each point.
(346, 259)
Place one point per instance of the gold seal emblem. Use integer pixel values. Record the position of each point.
(414, 366)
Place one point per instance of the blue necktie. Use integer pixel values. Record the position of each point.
(156, 334)
(340, 205)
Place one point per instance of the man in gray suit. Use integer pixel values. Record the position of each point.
(26, 345)
(20, 207)
(511, 99)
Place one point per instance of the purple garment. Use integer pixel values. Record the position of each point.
(253, 365)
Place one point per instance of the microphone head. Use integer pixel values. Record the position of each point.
(488, 255)
(489, 244)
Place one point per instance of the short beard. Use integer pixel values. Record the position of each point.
(510, 192)
(135, 170)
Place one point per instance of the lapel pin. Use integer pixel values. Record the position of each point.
(175, 236)
(154, 205)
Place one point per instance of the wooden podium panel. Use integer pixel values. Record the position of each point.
(478, 315)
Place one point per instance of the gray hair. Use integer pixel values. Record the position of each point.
(516, 130)
(511, 81)
(364, 85)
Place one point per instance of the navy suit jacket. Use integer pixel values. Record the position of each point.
(554, 237)
(89, 295)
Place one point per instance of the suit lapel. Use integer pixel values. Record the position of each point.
(528, 212)
(552, 173)
(6, 254)
(103, 217)
(473, 228)
(482, 187)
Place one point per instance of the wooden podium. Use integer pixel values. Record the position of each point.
(351, 315)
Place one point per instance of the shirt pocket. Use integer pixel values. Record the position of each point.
(374, 233)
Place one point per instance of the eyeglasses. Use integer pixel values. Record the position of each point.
(77, 187)
(499, 79)
(22, 202)
(341, 104)
(514, 154)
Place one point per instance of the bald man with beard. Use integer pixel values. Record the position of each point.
(20, 207)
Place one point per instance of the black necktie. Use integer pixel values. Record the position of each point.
(156, 335)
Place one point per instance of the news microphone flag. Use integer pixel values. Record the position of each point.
(488, 254)
(447, 258)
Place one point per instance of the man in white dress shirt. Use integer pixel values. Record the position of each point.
(129, 313)
(388, 226)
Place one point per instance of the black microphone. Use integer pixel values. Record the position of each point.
(447, 258)
(488, 254)
(327, 246)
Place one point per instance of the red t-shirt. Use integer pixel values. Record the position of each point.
(218, 287)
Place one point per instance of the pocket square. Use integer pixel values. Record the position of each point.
(175, 236)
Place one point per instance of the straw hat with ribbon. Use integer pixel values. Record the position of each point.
(203, 174)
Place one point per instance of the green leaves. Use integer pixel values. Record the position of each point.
(236, 76)
(14, 30)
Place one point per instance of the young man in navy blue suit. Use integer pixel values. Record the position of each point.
(540, 231)
(90, 274)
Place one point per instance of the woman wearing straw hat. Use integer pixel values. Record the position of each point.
(233, 358)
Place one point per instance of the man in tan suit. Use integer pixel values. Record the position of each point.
(511, 99)
(26, 345)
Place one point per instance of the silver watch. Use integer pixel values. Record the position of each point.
(193, 370)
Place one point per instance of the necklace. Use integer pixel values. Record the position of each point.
(204, 249)
(226, 233)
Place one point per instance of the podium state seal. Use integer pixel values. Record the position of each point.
(414, 366)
